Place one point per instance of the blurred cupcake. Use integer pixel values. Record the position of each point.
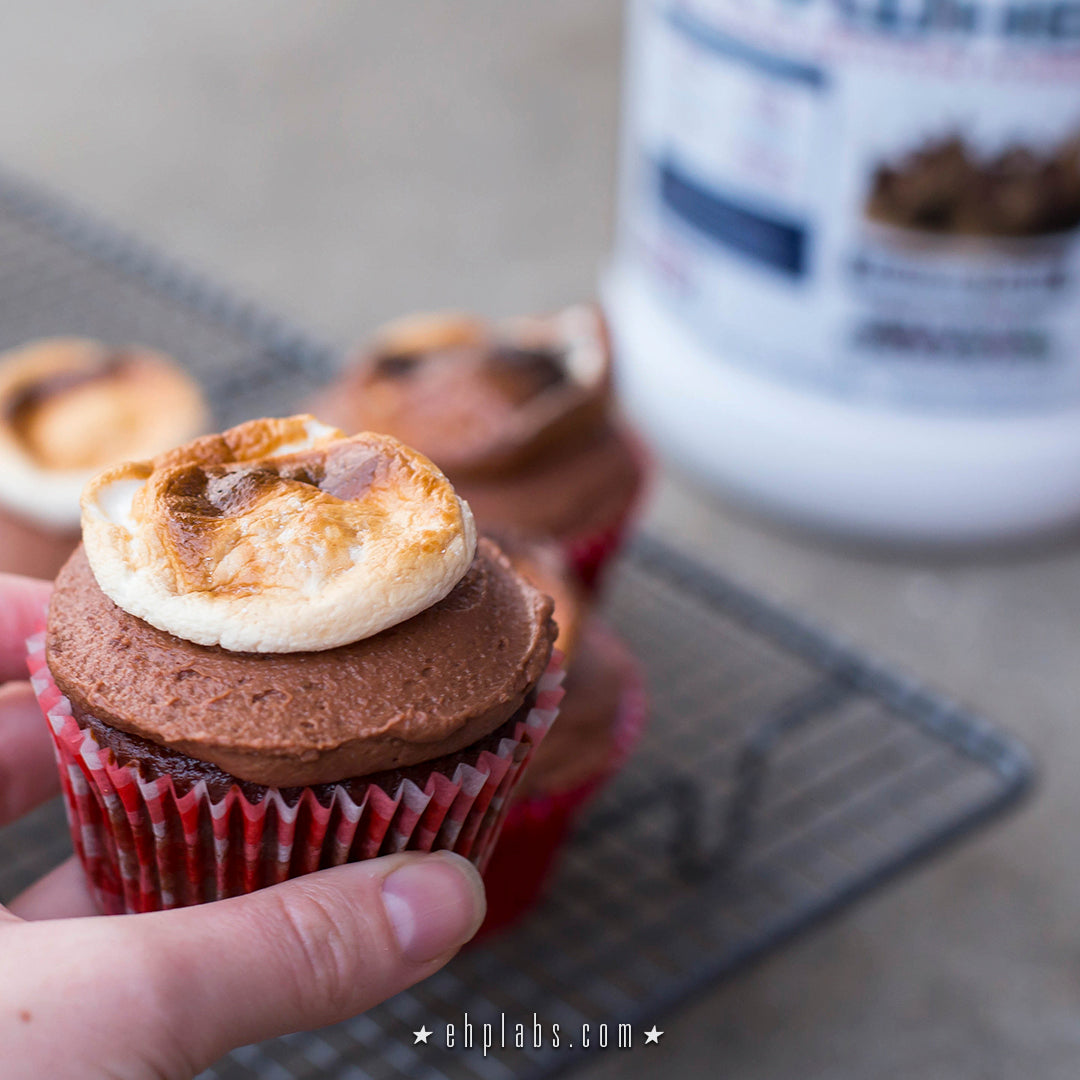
(68, 408)
(600, 720)
(519, 415)
(544, 565)
(590, 740)
(281, 649)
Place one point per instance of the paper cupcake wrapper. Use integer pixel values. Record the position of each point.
(590, 553)
(537, 826)
(145, 846)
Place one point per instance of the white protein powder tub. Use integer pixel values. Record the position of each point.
(846, 279)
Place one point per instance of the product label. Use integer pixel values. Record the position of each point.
(878, 198)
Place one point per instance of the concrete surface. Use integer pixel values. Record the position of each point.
(349, 161)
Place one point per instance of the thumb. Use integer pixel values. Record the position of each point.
(303, 954)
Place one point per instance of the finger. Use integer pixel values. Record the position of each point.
(60, 894)
(22, 607)
(309, 952)
(28, 773)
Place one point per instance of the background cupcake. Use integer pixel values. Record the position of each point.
(68, 408)
(519, 414)
(600, 720)
(282, 650)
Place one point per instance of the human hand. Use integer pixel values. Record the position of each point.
(165, 994)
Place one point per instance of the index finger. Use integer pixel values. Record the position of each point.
(22, 611)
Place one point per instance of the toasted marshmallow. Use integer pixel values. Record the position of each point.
(578, 333)
(277, 536)
(71, 406)
(428, 330)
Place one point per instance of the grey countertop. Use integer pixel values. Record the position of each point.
(346, 162)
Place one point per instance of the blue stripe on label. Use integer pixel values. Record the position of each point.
(781, 245)
(732, 48)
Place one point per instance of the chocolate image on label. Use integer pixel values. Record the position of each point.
(946, 186)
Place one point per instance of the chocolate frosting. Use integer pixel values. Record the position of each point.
(483, 407)
(542, 563)
(154, 761)
(584, 488)
(417, 691)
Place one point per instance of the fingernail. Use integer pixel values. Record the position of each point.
(435, 903)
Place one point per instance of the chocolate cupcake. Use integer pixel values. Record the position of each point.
(68, 408)
(282, 649)
(544, 565)
(600, 720)
(519, 415)
(586, 744)
(591, 739)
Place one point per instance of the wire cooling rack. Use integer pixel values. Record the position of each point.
(782, 775)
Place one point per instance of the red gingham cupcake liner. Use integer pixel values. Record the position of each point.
(537, 825)
(145, 846)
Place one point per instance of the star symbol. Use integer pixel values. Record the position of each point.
(653, 1036)
(421, 1036)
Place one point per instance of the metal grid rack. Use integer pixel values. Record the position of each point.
(782, 776)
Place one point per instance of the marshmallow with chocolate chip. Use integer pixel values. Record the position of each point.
(277, 536)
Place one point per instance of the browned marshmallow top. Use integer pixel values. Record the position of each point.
(279, 535)
(82, 405)
(203, 500)
(423, 688)
(71, 406)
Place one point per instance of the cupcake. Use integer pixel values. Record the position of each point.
(68, 408)
(519, 415)
(600, 716)
(281, 649)
(600, 720)
(543, 564)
